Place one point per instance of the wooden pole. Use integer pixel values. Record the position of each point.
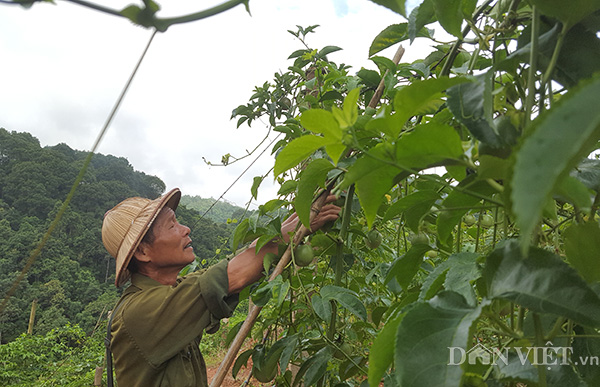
(32, 317)
(378, 93)
(254, 310)
(98, 376)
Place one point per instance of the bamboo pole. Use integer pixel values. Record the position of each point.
(254, 310)
(32, 317)
(98, 376)
(379, 92)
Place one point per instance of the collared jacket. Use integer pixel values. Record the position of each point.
(156, 330)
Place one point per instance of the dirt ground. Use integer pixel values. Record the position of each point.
(229, 380)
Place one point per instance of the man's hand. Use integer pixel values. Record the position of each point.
(328, 213)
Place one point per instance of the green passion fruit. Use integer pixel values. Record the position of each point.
(303, 255)
(373, 239)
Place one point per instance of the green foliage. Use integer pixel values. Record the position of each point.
(478, 170)
(72, 280)
(64, 356)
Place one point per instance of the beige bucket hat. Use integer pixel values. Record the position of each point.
(125, 225)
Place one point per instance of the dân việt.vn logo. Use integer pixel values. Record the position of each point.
(547, 355)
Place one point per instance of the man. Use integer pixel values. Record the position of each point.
(159, 321)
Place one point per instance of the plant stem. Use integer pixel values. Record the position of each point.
(535, 30)
(339, 257)
(539, 342)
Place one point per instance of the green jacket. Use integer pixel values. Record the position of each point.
(157, 329)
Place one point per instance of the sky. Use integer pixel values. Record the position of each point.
(63, 66)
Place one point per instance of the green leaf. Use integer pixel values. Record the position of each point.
(398, 6)
(566, 132)
(370, 78)
(540, 281)
(414, 206)
(321, 121)
(424, 336)
(412, 99)
(350, 106)
(384, 64)
(289, 345)
(450, 15)
(573, 191)
(471, 103)
(570, 13)
(419, 17)
(312, 177)
(255, 185)
(327, 50)
(463, 271)
(416, 150)
(241, 360)
(405, 268)
(239, 234)
(381, 353)
(582, 247)
(345, 297)
(393, 34)
(296, 151)
(457, 203)
(588, 172)
(372, 187)
(321, 307)
(314, 368)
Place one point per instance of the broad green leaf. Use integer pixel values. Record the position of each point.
(414, 206)
(372, 187)
(393, 34)
(321, 307)
(312, 177)
(419, 17)
(464, 270)
(239, 234)
(381, 353)
(491, 167)
(427, 145)
(471, 103)
(566, 132)
(571, 12)
(384, 64)
(397, 6)
(424, 336)
(321, 121)
(411, 99)
(582, 247)
(335, 151)
(542, 282)
(314, 368)
(289, 345)
(345, 297)
(327, 50)
(370, 78)
(405, 268)
(588, 172)
(579, 57)
(241, 360)
(365, 165)
(350, 106)
(296, 151)
(450, 15)
(255, 185)
(457, 273)
(573, 191)
(457, 203)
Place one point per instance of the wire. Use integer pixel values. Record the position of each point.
(236, 180)
(36, 252)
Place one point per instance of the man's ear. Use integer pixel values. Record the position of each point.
(142, 252)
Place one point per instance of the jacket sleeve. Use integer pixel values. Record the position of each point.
(162, 320)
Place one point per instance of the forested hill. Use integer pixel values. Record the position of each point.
(220, 212)
(73, 278)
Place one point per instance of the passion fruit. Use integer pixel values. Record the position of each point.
(469, 220)
(303, 255)
(487, 221)
(373, 239)
(419, 239)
